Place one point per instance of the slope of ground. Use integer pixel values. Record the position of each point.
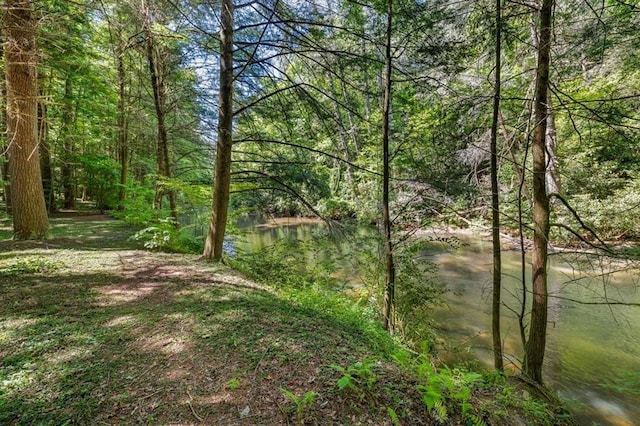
(93, 331)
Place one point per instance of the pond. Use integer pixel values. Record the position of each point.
(593, 351)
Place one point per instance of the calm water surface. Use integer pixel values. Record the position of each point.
(591, 349)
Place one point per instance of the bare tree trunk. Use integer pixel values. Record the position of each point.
(4, 148)
(215, 237)
(45, 154)
(388, 308)
(553, 175)
(159, 98)
(68, 146)
(495, 202)
(535, 348)
(344, 139)
(30, 219)
(123, 131)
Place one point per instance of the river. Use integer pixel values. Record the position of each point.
(593, 351)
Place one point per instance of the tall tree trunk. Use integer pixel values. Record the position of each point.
(123, 131)
(553, 175)
(215, 236)
(68, 146)
(495, 202)
(535, 348)
(4, 148)
(388, 308)
(30, 219)
(159, 100)
(45, 154)
(343, 137)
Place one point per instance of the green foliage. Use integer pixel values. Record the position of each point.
(336, 209)
(233, 384)
(395, 420)
(302, 403)
(159, 237)
(444, 390)
(138, 207)
(101, 177)
(359, 377)
(166, 236)
(613, 216)
(31, 265)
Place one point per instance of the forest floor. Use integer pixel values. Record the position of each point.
(94, 330)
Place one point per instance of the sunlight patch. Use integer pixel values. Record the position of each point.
(66, 355)
(120, 294)
(119, 321)
(164, 343)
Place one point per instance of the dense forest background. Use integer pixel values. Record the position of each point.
(128, 108)
(180, 116)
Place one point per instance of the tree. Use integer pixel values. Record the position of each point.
(535, 347)
(390, 270)
(495, 200)
(215, 236)
(30, 219)
(157, 75)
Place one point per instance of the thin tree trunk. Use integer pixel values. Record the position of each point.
(495, 203)
(553, 175)
(215, 237)
(388, 309)
(30, 219)
(535, 348)
(4, 148)
(343, 137)
(68, 146)
(123, 133)
(45, 154)
(157, 83)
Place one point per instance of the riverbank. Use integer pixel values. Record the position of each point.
(96, 331)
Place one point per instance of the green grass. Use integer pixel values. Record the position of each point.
(92, 334)
(93, 331)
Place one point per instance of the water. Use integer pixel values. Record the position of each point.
(592, 350)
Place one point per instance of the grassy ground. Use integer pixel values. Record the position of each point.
(94, 330)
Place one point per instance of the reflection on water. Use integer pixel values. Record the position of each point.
(591, 349)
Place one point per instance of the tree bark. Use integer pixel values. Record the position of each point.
(30, 219)
(215, 237)
(123, 131)
(495, 202)
(535, 347)
(553, 175)
(4, 148)
(68, 147)
(45, 154)
(159, 100)
(388, 308)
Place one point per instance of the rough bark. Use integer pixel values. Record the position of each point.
(159, 100)
(30, 219)
(536, 343)
(4, 149)
(388, 308)
(495, 203)
(213, 249)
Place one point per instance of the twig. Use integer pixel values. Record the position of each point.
(193, 411)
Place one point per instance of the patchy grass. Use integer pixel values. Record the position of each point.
(94, 331)
(116, 335)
